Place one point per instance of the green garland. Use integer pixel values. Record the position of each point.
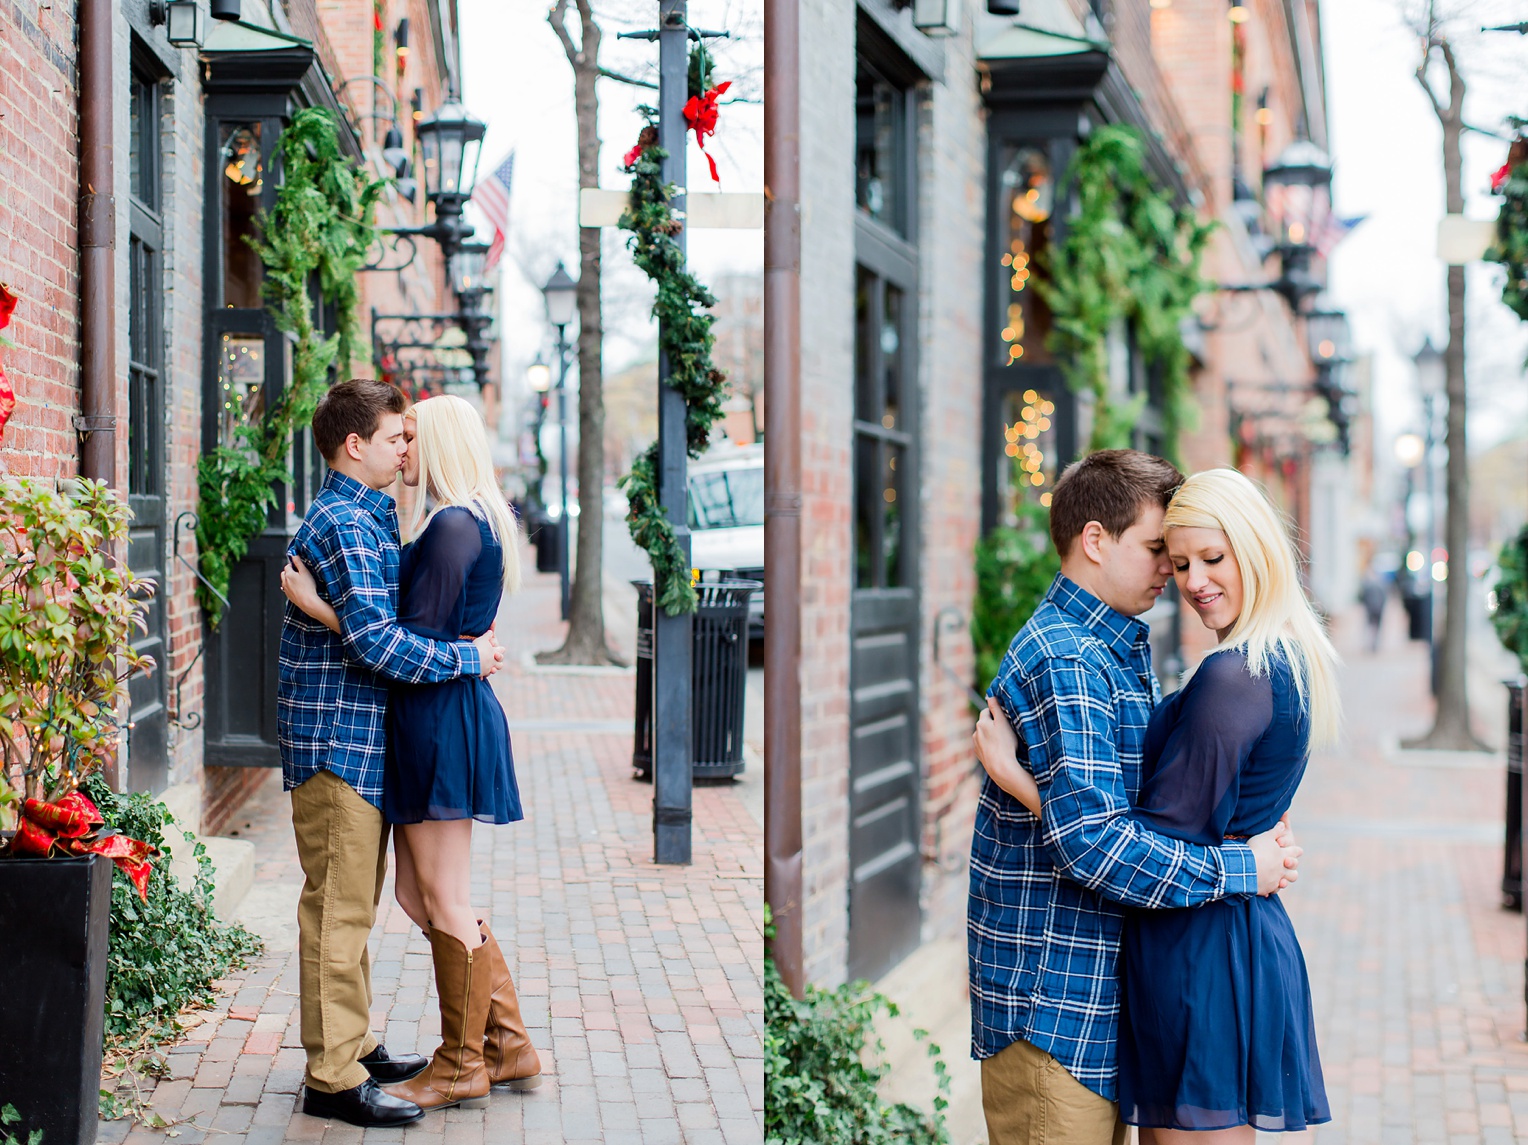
(1511, 245)
(322, 224)
(685, 339)
(1509, 616)
(1130, 255)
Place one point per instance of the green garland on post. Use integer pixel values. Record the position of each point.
(1511, 245)
(322, 224)
(1130, 255)
(685, 339)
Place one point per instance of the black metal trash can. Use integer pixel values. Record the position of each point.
(548, 541)
(718, 679)
(1418, 614)
(1512, 865)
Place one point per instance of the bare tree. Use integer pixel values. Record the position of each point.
(586, 643)
(1451, 723)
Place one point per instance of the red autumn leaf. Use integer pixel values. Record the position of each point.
(70, 822)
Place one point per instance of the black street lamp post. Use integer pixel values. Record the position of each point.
(1330, 337)
(468, 281)
(561, 293)
(1297, 195)
(451, 142)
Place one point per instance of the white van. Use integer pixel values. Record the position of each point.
(726, 509)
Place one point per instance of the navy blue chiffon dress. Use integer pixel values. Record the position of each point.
(447, 754)
(1216, 1025)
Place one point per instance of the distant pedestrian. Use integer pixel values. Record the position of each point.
(448, 759)
(331, 700)
(1373, 594)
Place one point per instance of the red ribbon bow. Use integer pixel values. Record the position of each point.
(68, 824)
(700, 113)
(1500, 177)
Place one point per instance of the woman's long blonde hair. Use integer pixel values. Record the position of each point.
(1275, 612)
(456, 468)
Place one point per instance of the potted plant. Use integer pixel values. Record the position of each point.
(68, 608)
(1509, 615)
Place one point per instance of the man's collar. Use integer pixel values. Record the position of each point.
(379, 504)
(1115, 629)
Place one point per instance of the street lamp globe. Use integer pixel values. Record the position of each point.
(1431, 373)
(561, 293)
(450, 141)
(466, 267)
(1409, 448)
(1328, 333)
(539, 375)
(1297, 190)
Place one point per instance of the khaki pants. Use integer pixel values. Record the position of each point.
(342, 845)
(1030, 1099)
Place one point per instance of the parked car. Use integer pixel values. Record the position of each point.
(726, 511)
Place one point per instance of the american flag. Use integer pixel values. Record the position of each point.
(492, 197)
(1332, 231)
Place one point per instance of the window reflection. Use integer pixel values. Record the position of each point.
(242, 183)
(1028, 194)
(880, 149)
(241, 385)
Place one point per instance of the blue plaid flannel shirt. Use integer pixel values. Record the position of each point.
(332, 691)
(1043, 922)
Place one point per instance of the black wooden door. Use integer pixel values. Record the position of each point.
(148, 723)
(884, 773)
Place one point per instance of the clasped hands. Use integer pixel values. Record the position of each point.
(301, 589)
(1275, 851)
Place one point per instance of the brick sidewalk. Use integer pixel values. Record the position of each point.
(640, 984)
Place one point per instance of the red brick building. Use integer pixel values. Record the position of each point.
(193, 136)
(935, 138)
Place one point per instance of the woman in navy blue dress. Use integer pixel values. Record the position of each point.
(448, 760)
(1216, 1025)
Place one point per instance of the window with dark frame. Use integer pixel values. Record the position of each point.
(145, 289)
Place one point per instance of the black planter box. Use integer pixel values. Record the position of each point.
(53, 918)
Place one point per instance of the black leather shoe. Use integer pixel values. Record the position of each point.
(367, 1105)
(389, 1069)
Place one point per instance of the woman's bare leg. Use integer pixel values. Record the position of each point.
(406, 882)
(441, 851)
(1241, 1135)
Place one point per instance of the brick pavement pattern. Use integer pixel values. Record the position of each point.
(640, 985)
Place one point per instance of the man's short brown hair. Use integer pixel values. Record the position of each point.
(1111, 487)
(354, 407)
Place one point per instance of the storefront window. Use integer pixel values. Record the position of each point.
(881, 175)
(242, 183)
(1028, 198)
(241, 384)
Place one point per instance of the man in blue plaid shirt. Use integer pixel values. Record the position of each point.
(1044, 916)
(330, 702)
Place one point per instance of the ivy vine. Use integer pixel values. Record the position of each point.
(1131, 256)
(685, 338)
(321, 225)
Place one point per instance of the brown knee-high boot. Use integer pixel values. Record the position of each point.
(507, 1049)
(455, 1075)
